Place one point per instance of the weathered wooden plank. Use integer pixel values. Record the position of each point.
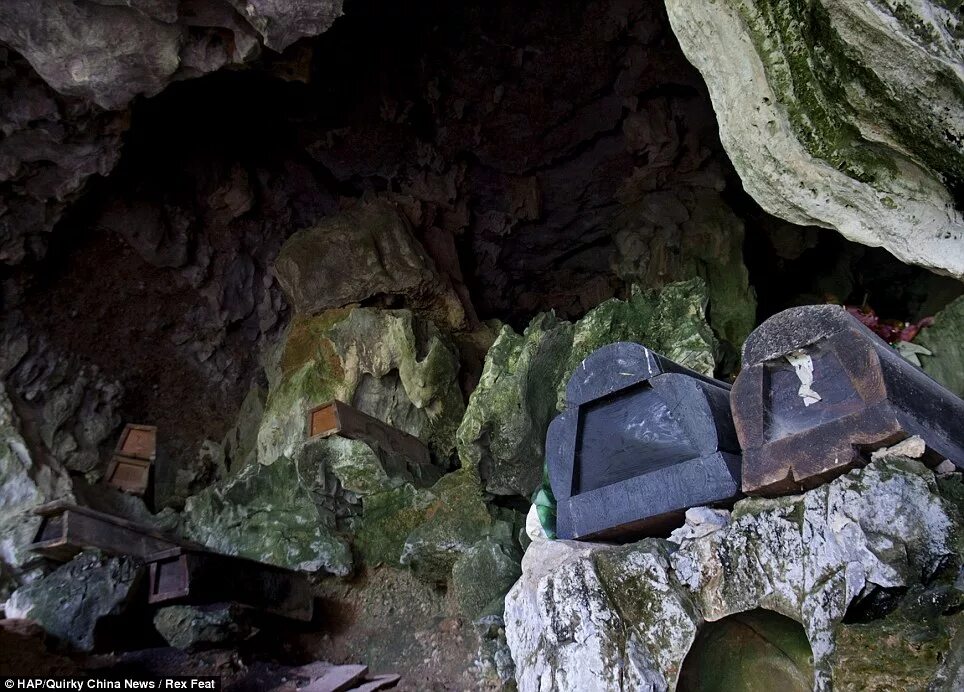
(379, 682)
(197, 576)
(338, 418)
(67, 529)
(818, 390)
(337, 679)
(641, 440)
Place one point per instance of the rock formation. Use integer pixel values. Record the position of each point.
(504, 428)
(25, 484)
(110, 52)
(846, 115)
(624, 617)
(217, 215)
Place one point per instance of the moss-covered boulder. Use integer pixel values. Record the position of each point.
(523, 381)
(945, 340)
(483, 575)
(301, 501)
(357, 254)
(286, 513)
(391, 364)
(70, 601)
(194, 627)
(670, 236)
(845, 114)
(429, 529)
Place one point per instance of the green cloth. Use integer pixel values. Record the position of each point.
(545, 503)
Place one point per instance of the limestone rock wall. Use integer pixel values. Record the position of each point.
(110, 52)
(26, 483)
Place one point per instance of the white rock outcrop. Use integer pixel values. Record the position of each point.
(846, 114)
(589, 616)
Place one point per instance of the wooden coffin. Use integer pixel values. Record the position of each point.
(129, 475)
(410, 455)
(641, 440)
(67, 529)
(819, 390)
(199, 577)
(131, 467)
(138, 442)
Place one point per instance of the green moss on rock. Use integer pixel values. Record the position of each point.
(70, 601)
(502, 434)
(945, 340)
(483, 575)
(903, 650)
(282, 514)
(388, 363)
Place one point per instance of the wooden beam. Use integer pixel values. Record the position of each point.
(338, 418)
(407, 451)
(198, 577)
(819, 390)
(67, 529)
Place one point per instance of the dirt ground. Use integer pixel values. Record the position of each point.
(386, 619)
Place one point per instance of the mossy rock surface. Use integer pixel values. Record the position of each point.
(390, 364)
(70, 601)
(483, 575)
(945, 340)
(843, 114)
(523, 382)
(283, 514)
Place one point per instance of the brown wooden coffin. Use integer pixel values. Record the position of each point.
(400, 452)
(138, 442)
(129, 475)
(819, 390)
(67, 529)
(131, 467)
(338, 418)
(642, 439)
(198, 577)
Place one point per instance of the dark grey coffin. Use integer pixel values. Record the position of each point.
(642, 439)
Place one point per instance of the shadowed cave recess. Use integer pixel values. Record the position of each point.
(546, 156)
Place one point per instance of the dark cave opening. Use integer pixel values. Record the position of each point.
(517, 159)
(742, 651)
(560, 153)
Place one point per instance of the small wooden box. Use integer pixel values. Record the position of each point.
(138, 442)
(202, 577)
(129, 475)
(131, 467)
